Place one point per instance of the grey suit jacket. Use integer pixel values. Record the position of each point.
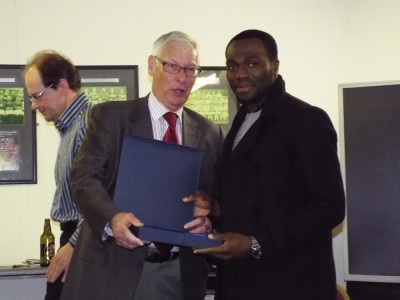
(101, 269)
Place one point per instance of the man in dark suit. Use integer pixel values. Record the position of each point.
(111, 262)
(279, 186)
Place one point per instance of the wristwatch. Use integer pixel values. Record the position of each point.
(255, 249)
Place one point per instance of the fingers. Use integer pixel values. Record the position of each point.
(199, 225)
(52, 275)
(129, 242)
(201, 199)
(120, 225)
(214, 250)
(65, 275)
(234, 246)
(54, 271)
(204, 204)
(220, 252)
(131, 218)
(60, 262)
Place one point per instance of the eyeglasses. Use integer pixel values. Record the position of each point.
(36, 97)
(175, 69)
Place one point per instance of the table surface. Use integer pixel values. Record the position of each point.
(22, 270)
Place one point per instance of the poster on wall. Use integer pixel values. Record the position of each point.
(17, 129)
(212, 97)
(109, 83)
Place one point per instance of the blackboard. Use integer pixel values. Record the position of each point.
(370, 155)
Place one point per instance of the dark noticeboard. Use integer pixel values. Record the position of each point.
(110, 83)
(212, 97)
(17, 129)
(370, 155)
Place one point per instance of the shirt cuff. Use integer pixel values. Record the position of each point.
(107, 232)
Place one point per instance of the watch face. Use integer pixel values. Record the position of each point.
(255, 248)
(256, 253)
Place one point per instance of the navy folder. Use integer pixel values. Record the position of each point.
(153, 177)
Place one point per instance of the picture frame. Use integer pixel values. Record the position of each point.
(212, 97)
(18, 159)
(109, 83)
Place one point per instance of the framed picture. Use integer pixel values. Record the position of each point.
(212, 97)
(17, 129)
(109, 83)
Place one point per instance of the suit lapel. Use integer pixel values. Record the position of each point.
(140, 121)
(191, 133)
(247, 142)
(140, 124)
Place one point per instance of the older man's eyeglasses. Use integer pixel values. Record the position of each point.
(36, 97)
(175, 69)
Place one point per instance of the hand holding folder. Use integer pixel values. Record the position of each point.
(153, 177)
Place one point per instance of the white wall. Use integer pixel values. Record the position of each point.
(322, 43)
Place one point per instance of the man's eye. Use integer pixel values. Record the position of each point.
(232, 68)
(173, 66)
(253, 65)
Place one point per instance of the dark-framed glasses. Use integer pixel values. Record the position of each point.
(36, 97)
(175, 69)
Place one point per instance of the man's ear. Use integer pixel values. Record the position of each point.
(151, 64)
(275, 66)
(63, 86)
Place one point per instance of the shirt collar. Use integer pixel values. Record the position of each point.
(69, 115)
(157, 110)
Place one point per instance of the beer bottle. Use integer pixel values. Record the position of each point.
(47, 245)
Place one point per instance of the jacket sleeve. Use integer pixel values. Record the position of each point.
(94, 169)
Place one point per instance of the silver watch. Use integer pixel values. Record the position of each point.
(255, 250)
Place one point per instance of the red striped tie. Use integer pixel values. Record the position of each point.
(170, 134)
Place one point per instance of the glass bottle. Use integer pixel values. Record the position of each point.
(47, 245)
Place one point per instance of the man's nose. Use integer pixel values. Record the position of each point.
(34, 105)
(181, 76)
(242, 71)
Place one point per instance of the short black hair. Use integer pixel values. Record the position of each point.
(267, 39)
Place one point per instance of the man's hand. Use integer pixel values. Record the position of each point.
(199, 225)
(203, 207)
(235, 246)
(120, 224)
(60, 263)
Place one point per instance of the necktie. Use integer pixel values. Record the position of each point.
(169, 136)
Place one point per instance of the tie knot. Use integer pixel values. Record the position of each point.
(170, 117)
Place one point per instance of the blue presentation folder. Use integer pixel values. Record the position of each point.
(153, 177)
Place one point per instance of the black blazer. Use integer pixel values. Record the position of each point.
(282, 184)
(103, 270)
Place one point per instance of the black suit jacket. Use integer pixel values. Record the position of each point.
(103, 270)
(282, 184)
